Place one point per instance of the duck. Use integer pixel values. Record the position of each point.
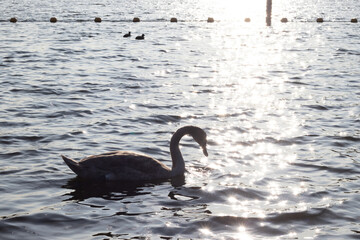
(142, 37)
(132, 166)
(127, 35)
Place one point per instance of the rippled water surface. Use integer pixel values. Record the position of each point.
(280, 105)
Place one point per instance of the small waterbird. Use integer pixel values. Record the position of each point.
(127, 35)
(142, 37)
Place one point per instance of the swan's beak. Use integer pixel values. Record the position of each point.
(205, 150)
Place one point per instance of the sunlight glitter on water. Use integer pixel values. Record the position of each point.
(242, 234)
(238, 9)
(299, 189)
(206, 232)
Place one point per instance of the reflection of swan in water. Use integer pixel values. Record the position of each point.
(130, 166)
(83, 189)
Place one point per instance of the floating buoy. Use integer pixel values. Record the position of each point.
(13, 20)
(136, 19)
(320, 20)
(97, 20)
(173, 20)
(247, 20)
(53, 20)
(284, 20)
(354, 20)
(210, 20)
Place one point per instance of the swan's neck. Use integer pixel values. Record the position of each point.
(178, 164)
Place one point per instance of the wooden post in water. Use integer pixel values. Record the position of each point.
(268, 12)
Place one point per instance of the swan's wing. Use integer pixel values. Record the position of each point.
(123, 165)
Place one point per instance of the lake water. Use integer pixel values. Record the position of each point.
(280, 105)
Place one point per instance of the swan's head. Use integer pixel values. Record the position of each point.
(199, 136)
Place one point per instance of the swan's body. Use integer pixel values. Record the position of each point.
(142, 37)
(127, 35)
(130, 166)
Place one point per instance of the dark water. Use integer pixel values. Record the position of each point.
(280, 105)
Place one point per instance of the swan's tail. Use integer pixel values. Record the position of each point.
(73, 165)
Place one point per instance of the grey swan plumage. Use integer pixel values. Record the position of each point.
(131, 166)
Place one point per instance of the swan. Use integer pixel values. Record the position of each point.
(142, 37)
(131, 166)
(127, 35)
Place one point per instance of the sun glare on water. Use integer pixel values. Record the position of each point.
(239, 9)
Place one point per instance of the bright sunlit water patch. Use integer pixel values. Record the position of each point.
(243, 234)
(207, 232)
(232, 10)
